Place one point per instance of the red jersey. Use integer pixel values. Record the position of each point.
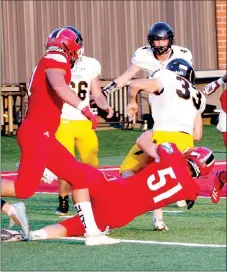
(44, 105)
(117, 201)
(223, 99)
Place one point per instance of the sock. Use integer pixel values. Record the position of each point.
(86, 215)
(39, 234)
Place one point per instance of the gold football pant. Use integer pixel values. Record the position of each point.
(137, 159)
(79, 134)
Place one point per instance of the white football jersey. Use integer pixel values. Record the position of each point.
(175, 107)
(82, 74)
(144, 58)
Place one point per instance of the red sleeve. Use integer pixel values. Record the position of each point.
(56, 60)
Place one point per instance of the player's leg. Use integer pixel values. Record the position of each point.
(65, 135)
(78, 175)
(32, 164)
(87, 144)
(183, 141)
(17, 214)
(135, 160)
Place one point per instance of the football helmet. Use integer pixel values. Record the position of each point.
(200, 159)
(182, 68)
(160, 31)
(67, 40)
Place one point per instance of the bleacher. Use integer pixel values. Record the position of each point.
(14, 104)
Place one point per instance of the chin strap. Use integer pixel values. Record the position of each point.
(194, 168)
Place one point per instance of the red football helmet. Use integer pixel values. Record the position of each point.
(201, 160)
(67, 40)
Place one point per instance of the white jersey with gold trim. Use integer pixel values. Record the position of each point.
(175, 107)
(82, 74)
(144, 58)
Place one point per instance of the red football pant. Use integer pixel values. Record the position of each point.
(39, 151)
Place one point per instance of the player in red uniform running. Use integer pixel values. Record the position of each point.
(48, 89)
(220, 178)
(116, 201)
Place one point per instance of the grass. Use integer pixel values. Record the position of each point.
(113, 146)
(204, 224)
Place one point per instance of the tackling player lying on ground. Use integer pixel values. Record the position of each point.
(220, 178)
(48, 89)
(156, 186)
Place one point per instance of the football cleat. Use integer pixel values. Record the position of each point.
(100, 239)
(63, 206)
(217, 187)
(20, 218)
(159, 225)
(12, 236)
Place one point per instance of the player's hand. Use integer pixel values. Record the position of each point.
(111, 87)
(132, 109)
(90, 116)
(211, 87)
(110, 112)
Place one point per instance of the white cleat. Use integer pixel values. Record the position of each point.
(20, 217)
(11, 236)
(159, 225)
(181, 203)
(100, 239)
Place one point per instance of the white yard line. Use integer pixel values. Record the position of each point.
(156, 243)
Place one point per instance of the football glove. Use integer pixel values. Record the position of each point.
(110, 88)
(213, 86)
(90, 116)
(190, 204)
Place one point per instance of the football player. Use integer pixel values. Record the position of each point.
(75, 129)
(176, 107)
(157, 185)
(48, 90)
(220, 177)
(157, 54)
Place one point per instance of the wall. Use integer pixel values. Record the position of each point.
(221, 33)
(112, 31)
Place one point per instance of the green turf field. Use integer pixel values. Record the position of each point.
(202, 229)
(205, 224)
(113, 146)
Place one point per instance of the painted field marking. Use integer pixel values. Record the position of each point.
(101, 169)
(155, 243)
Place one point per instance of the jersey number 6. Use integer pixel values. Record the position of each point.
(81, 89)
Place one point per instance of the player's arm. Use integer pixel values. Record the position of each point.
(215, 85)
(122, 80)
(198, 127)
(99, 97)
(147, 85)
(144, 142)
(57, 81)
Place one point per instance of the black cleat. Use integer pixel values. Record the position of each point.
(63, 205)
